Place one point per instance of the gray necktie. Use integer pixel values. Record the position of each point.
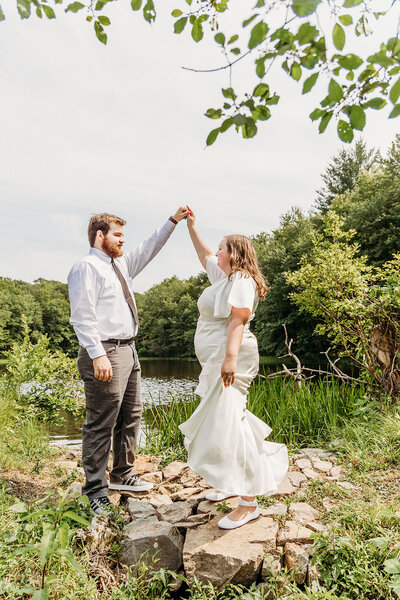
(127, 294)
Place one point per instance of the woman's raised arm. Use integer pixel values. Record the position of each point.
(203, 251)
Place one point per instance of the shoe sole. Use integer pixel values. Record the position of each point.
(130, 488)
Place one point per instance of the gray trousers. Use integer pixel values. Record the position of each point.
(114, 409)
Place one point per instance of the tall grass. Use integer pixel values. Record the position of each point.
(299, 417)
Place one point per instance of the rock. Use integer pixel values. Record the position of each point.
(313, 574)
(212, 507)
(317, 527)
(228, 556)
(336, 472)
(328, 504)
(302, 513)
(175, 512)
(185, 493)
(323, 466)
(171, 488)
(304, 463)
(193, 521)
(296, 478)
(346, 485)
(115, 497)
(146, 464)
(158, 539)
(100, 536)
(139, 509)
(174, 469)
(189, 478)
(271, 566)
(311, 474)
(276, 510)
(155, 477)
(317, 453)
(296, 559)
(285, 488)
(157, 500)
(294, 532)
(75, 488)
(309, 548)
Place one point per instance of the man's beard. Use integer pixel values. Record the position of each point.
(110, 249)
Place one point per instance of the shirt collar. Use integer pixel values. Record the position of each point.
(100, 254)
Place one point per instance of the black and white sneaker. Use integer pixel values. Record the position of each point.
(131, 484)
(100, 505)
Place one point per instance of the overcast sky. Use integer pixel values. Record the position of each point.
(87, 128)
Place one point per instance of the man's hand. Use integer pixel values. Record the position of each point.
(181, 213)
(102, 368)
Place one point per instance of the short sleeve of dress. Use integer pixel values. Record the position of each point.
(213, 271)
(243, 293)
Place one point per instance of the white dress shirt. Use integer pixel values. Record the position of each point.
(99, 310)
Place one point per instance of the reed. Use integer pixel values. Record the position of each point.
(301, 417)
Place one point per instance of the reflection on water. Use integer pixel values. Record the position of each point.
(161, 380)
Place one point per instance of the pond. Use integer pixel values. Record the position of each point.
(162, 379)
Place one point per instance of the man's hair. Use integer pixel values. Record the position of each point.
(101, 222)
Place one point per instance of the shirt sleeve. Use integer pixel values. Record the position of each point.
(242, 293)
(139, 258)
(214, 272)
(83, 293)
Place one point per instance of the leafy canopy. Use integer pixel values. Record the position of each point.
(289, 33)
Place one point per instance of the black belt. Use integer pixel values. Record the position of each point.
(118, 342)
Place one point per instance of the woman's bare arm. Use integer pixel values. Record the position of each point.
(237, 320)
(203, 251)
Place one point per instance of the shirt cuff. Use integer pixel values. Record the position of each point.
(169, 226)
(96, 351)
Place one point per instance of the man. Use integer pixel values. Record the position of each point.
(104, 316)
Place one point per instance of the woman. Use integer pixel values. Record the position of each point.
(225, 442)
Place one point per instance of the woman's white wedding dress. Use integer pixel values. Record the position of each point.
(226, 442)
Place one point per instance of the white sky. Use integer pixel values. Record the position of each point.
(87, 128)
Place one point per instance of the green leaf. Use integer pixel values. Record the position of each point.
(302, 8)
(213, 113)
(239, 120)
(357, 117)
(40, 594)
(67, 554)
(249, 129)
(235, 50)
(346, 19)
(395, 112)
(345, 131)
(197, 31)
(212, 136)
(350, 3)
(233, 39)
(179, 25)
(226, 124)
(19, 507)
(63, 535)
(229, 93)
(260, 67)
(248, 21)
(335, 91)
(295, 71)
(104, 20)
(100, 4)
(395, 92)
(350, 61)
(176, 13)
(376, 103)
(316, 114)
(136, 4)
(310, 82)
(220, 38)
(325, 121)
(339, 36)
(24, 8)
(75, 517)
(47, 545)
(100, 33)
(74, 7)
(258, 34)
(306, 33)
(392, 566)
(262, 89)
(149, 12)
(2, 17)
(48, 11)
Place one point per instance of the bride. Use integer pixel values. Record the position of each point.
(225, 442)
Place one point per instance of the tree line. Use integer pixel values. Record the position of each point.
(360, 186)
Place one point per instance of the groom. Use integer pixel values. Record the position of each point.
(105, 320)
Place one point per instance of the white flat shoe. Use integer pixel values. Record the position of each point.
(227, 523)
(218, 496)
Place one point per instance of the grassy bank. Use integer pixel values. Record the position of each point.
(357, 558)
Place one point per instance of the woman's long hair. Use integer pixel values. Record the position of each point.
(243, 258)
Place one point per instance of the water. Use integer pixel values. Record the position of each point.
(161, 379)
